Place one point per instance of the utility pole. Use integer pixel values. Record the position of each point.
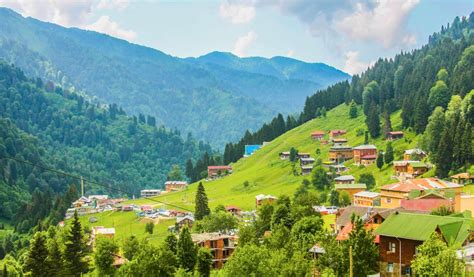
(351, 274)
(82, 186)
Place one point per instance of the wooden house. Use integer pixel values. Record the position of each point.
(410, 169)
(304, 155)
(187, 220)
(175, 185)
(345, 179)
(262, 198)
(336, 133)
(317, 135)
(306, 169)
(365, 154)
(214, 171)
(394, 135)
(285, 155)
(340, 153)
(101, 231)
(463, 178)
(351, 189)
(397, 246)
(414, 155)
(340, 141)
(366, 198)
(306, 161)
(144, 193)
(391, 195)
(233, 210)
(221, 246)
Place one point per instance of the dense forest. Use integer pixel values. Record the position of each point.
(417, 82)
(50, 126)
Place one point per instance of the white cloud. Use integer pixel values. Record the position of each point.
(237, 13)
(244, 42)
(74, 13)
(353, 65)
(107, 26)
(382, 22)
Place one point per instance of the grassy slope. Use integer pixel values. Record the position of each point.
(267, 174)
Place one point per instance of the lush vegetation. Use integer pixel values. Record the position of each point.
(54, 128)
(414, 82)
(216, 97)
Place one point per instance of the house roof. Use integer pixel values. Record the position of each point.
(345, 216)
(366, 147)
(420, 184)
(176, 183)
(208, 236)
(368, 194)
(181, 218)
(263, 196)
(339, 140)
(395, 133)
(420, 227)
(344, 178)
(219, 167)
(285, 153)
(350, 186)
(463, 175)
(317, 133)
(337, 131)
(418, 164)
(229, 208)
(105, 231)
(414, 151)
(309, 166)
(307, 159)
(340, 147)
(317, 249)
(421, 204)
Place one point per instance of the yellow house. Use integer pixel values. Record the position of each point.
(466, 204)
(391, 195)
(366, 198)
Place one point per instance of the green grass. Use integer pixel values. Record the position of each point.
(328, 220)
(127, 224)
(267, 174)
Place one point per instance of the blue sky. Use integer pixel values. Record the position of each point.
(347, 34)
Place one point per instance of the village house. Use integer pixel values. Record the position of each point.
(336, 133)
(82, 201)
(397, 246)
(414, 155)
(306, 161)
(306, 169)
(175, 185)
(392, 194)
(233, 210)
(462, 178)
(410, 169)
(214, 171)
(262, 198)
(345, 179)
(221, 246)
(339, 141)
(366, 198)
(285, 155)
(394, 135)
(343, 216)
(351, 189)
(98, 197)
(365, 154)
(338, 168)
(187, 220)
(144, 193)
(466, 203)
(317, 135)
(427, 203)
(101, 231)
(316, 251)
(340, 153)
(304, 155)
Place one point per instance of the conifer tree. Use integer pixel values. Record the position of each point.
(379, 160)
(353, 109)
(293, 154)
(366, 137)
(204, 262)
(186, 250)
(36, 261)
(320, 178)
(389, 153)
(171, 242)
(55, 258)
(201, 202)
(444, 154)
(75, 250)
(131, 246)
(189, 169)
(373, 121)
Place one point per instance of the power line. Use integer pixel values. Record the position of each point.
(107, 186)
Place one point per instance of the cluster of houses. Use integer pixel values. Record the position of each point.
(93, 204)
(306, 162)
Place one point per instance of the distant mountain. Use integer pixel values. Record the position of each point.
(216, 97)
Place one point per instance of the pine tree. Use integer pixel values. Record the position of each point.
(352, 109)
(171, 242)
(186, 250)
(366, 137)
(36, 261)
(204, 262)
(387, 123)
(373, 121)
(444, 154)
(75, 250)
(189, 169)
(55, 258)
(201, 202)
(293, 154)
(389, 153)
(433, 132)
(380, 160)
(320, 178)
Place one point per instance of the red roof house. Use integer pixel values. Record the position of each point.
(317, 135)
(217, 170)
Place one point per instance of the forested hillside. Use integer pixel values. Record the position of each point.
(414, 82)
(53, 127)
(213, 100)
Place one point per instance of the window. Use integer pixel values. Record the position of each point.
(388, 200)
(390, 267)
(392, 247)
